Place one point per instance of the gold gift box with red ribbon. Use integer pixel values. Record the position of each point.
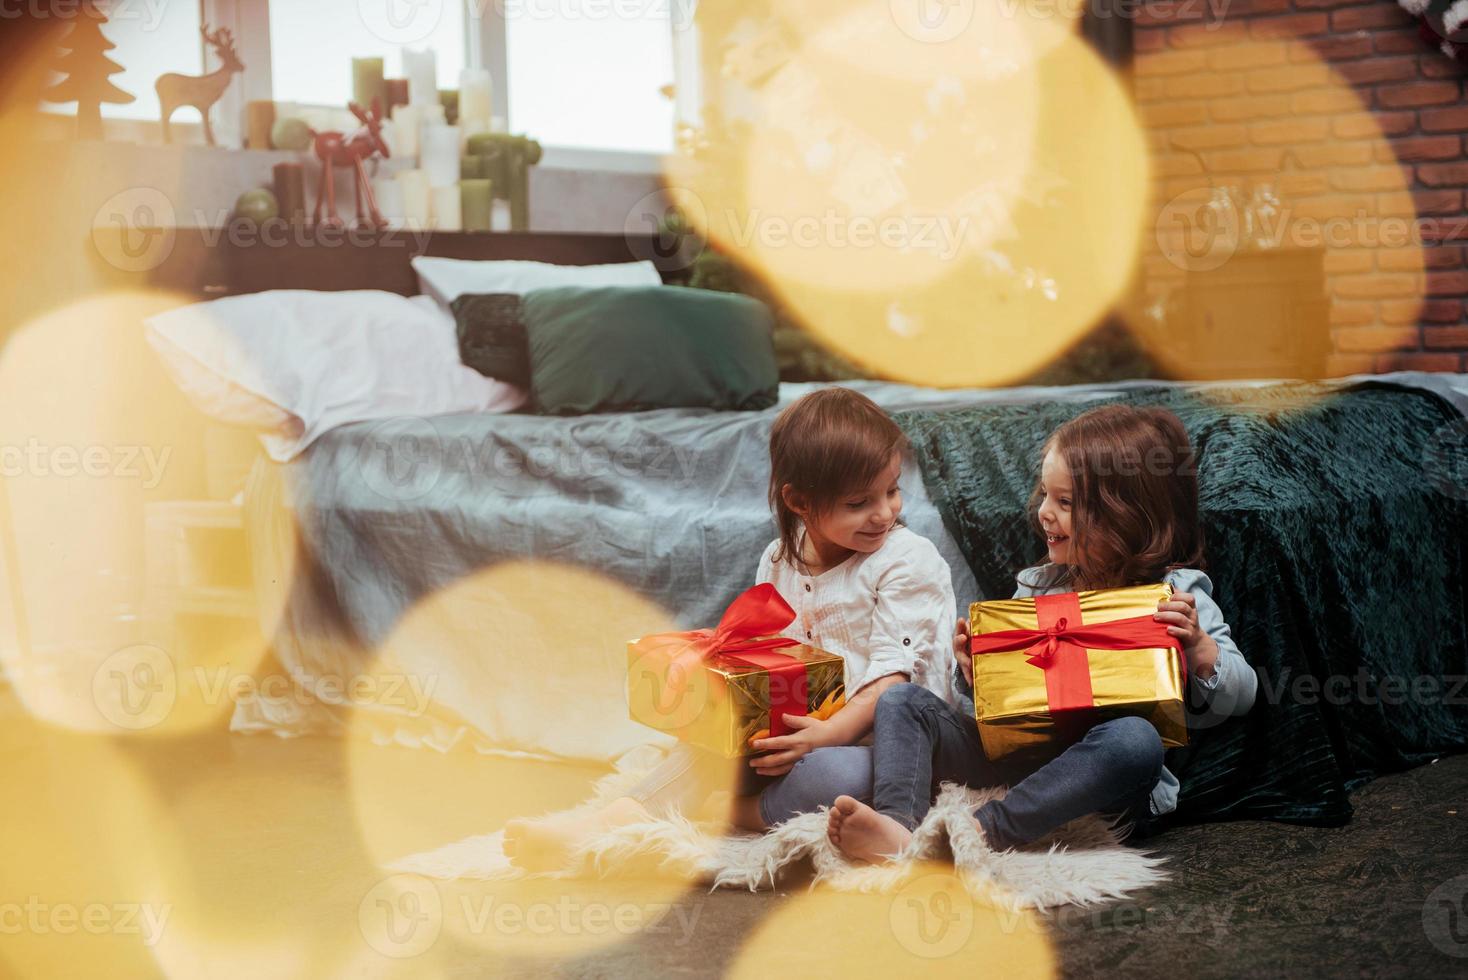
(1048, 668)
(720, 688)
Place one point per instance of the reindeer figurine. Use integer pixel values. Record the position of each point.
(334, 150)
(200, 91)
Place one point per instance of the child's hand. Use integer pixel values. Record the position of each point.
(782, 752)
(961, 651)
(1180, 613)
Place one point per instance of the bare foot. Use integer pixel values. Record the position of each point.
(547, 843)
(862, 833)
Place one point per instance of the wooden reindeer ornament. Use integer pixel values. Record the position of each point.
(200, 91)
(335, 150)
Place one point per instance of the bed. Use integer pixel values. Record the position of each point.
(502, 561)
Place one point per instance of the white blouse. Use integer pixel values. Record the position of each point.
(885, 612)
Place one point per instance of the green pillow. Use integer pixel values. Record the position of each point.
(631, 348)
(492, 336)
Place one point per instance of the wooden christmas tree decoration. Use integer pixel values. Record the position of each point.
(200, 91)
(86, 67)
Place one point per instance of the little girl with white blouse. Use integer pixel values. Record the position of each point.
(862, 585)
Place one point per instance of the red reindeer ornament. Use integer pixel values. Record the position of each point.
(335, 150)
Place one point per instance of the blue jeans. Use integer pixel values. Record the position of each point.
(921, 741)
(685, 779)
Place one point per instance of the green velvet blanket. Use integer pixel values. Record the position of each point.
(1337, 543)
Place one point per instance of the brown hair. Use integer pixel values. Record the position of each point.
(1134, 496)
(831, 442)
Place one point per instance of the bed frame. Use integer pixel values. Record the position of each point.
(207, 263)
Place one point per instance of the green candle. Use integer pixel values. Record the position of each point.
(476, 201)
(480, 143)
(368, 83)
(473, 167)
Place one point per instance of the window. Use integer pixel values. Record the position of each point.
(151, 39)
(312, 44)
(591, 73)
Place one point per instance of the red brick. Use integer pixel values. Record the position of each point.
(1262, 107)
(1445, 338)
(1256, 8)
(1327, 4)
(1325, 100)
(1365, 340)
(1199, 36)
(1294, 186)
(1451, 282)
(1209, 137)
(1169, 12)
(1176, 165)
(1411, 94)
(1343, 47)
(1174, 62)
(1369, 16)
(1375, 70)
(1364, 125)
(1187, 87)
(1438, 202)
(1340, 365)
(1247, 55)
(1290, 78)
(1371, 178)
(1397, 42)
(1340, 261)
(1412, 311)
(1295, 25)
(1435, 64)
(1159, 115)
(1344, 314)
(1454, 120)
(1291, 132)
(1443, 174)
(1243, 161)
(1413, 259)
(1334, 207)
(1417, 361)
(1375, 285)
(1445, 228)
(1149, 39)
(1426, 148)
(1355, 153)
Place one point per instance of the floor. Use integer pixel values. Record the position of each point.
(250, 856)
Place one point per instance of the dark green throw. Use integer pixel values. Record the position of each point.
(1337, 543)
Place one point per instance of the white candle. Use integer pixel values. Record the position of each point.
(447, 215)
(475, 95)
(416, 208)
(499, 215)
(440, 151)
(406, 120)
(433, 113)
(388, 192)
(420, 68)
(498, 125)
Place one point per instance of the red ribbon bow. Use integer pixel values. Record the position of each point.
(743, 638)
(1059, 649)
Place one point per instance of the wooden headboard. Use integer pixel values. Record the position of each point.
(209, 263)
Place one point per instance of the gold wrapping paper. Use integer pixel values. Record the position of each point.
(725, 704)
(1010, 697)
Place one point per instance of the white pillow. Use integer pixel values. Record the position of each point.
(448, 279)
(323, 359)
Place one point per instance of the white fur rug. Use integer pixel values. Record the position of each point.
(1082, 863)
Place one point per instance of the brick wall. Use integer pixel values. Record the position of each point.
(1360, 127)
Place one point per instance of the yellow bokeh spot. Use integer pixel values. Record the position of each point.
(944, 229)
(539, 651)
(93, 435)
(928, 922)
